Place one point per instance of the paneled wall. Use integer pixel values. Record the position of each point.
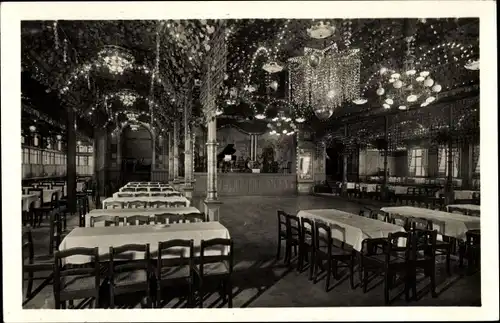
(137, 144)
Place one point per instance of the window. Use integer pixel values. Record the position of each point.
(477, 170)
(443, 162)
(418, 160)
(26, 156)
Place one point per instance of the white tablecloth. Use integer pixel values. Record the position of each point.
(464, 195)
(148, 200)
(456, 225)
(162, 188)
(47, 194)
(398, 189)
(369, 187)
(168, 193)
(27, 199)
(465, 208)
(105, 237)
(151, 212)
(357, 228)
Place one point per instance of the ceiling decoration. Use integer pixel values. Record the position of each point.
(159, 65)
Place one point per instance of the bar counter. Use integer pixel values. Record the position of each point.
(241, 184)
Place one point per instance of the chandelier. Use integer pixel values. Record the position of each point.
(282, 125)
(325, 79)
(117, 59)
(128, 98)
(272, 67)
(407, 88)
(321, 30)
(132, 116)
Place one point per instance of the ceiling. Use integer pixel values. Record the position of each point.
(61, 66)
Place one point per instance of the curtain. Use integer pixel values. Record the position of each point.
(456, 162)
(441, 154)
(475, 157)
(425, 162)
(410, 155)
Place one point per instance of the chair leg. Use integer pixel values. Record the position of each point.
(200, 292)
(279, 247)
(328, 274)
(432, 274)
(29, 289)
(387, 278)
(229, 293)
(365, 279)
(311, 265)
(351, 271)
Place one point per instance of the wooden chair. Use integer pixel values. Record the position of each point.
(136, 220)
(331, 250)
(159, 204)
(306, 246)
(170, 217)
(128, 273)
(80, 281)
(218, 267)
(55, 232)
(174, 194)
(194, 217)
(166, 189)
(142, 195)
(292, 237)
(108, 220)
(125, 195)
(114, 205)
(44, 209)
(32, 265)
(176, 268)
(422, 256)
(365, 211)
(385, 255)
(400, 220)
(155, 189)
(473, 250)
(128, 189)
(136, 204)
(444, 245)
(419, 224)
(178, 204)
(142, 189)
(160, 194)
(380, 215)
(282, 231)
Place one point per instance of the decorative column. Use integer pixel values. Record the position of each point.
(384, 191)
(449, 196)
(345, 156)
(188, 153)
(212, 158)
(71, 161)
(176, 151)
(170, 157)
(466, 165)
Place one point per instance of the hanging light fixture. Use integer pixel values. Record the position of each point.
(32, 128)
(117, 59)
(272, 67)
(321, 30)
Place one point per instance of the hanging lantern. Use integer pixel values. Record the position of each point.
(274, 85)
(323, 113)
(436, 88)
(397, 84)
(380, 91)
(314, 60)
(428, 82)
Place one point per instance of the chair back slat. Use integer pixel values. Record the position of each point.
(114, 205)
(158, 194)
(125, 195)
(176, 251)
(222, 244)
(107, 219)
(136, 204)
(322, 236)
(128, 189)
(137, 220)
(307, 229)
(194, 217)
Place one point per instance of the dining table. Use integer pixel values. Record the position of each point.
(113, 236)
(147, 200)
(355, 228)
(127, 212)
(455, 225)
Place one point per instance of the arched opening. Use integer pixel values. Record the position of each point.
(137, 153)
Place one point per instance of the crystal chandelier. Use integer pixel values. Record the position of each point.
(128, 98)
(325, 79)
(117, 59)
(272, 67)
(408, 88)
(321, 30)
(132, 116)
(282, 125)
